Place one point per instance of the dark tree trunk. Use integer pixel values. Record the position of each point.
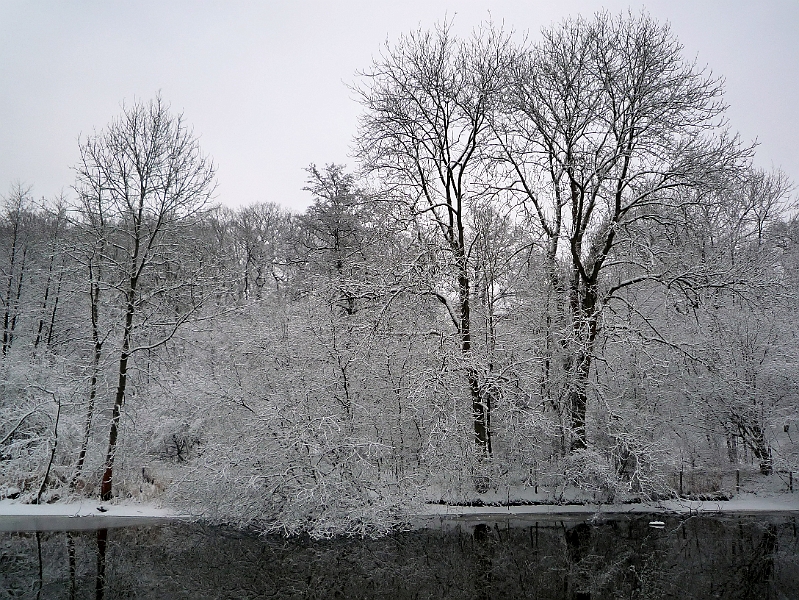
(11, 300)
(119, 399)
(17, 296)
(51, 327)
(762, 450)
(585, 331)
(47, 285)
(102, 543)
(94, 295)
(479, 404)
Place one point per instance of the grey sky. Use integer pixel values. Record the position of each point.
(263, 83)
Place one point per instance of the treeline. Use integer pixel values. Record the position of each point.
(555, 268)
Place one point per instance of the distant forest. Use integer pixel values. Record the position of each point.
(554, 267)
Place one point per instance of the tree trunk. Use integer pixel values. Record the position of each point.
(52, 453)
(51, 327)
(585, 331)
(479, 405)
(762, 450)
(98, 346)
(44, 304)
(7, 301)
(94, 299)
(119, 399)
(15, 310)
(47, 286)
(578, 401)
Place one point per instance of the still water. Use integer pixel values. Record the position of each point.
(620, 557)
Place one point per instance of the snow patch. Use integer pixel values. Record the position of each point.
(82, 515)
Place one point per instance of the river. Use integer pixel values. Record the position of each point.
(554, 557)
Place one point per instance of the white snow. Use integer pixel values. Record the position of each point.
(741, 504)
(82, 515)
(84, 508)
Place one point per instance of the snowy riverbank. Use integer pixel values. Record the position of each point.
(741, 504)
(92, 514)
(82, 515)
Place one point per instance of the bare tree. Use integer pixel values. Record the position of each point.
(606, 128)
(426, 102)
(258, 233)
(748, 328)
(141, 181)
(55, 223)
(16, 214)
(91, 254)
(338, 237)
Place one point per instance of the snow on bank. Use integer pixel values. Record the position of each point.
(75, 516)
(84, 515)
(741, 504)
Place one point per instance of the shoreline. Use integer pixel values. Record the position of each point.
(742, 504)
(86, 514)
(83, 515)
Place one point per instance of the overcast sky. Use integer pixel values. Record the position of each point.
(264, 84)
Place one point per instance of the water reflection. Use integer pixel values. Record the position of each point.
(72, 564)
(102, 543)
(742, 557)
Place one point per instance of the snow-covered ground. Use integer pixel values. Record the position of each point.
(86, 514)
(73, 516)
(740, 504)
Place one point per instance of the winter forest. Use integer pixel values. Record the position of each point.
(552, 271)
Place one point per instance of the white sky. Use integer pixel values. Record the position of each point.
(264, 83)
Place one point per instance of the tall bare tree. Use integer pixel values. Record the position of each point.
(607, 127)
(140, 182)
(426, 102)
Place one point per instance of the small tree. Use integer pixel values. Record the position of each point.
(140, 182)
(14, 220)
(54, 225)
(258, 236)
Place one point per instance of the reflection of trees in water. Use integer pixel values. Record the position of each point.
(39, 565)
(73, 565)
(748, 554)
(102, 550)
(696, 558)
(484, 542)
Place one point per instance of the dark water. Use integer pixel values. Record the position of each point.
(733, 557)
